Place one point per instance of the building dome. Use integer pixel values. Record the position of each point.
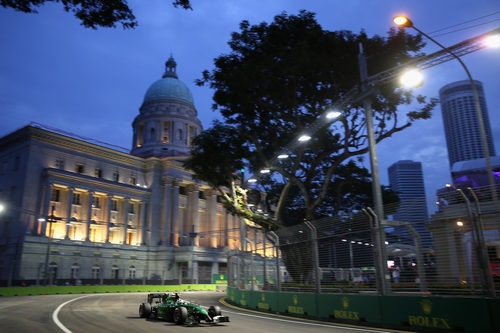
(167, 120)
(169, 88)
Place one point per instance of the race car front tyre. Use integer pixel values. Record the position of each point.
(213, 311)
(144, 310)
(180, 315)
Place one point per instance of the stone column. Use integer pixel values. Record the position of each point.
(142, 223)
(193, 210)
(47, 188)
(212, 211)
(108, 216)
(90, 201)
(125, 219)
(68, 215)
(166, 212)
(174, 232)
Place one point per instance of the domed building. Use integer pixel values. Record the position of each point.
(168, 121)
(81, 212)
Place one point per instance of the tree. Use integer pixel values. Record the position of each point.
(91, 13)
(279, 78)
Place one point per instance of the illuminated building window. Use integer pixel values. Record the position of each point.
(114, 205)
(96, 202)
(72, 231)
(55, 195)
(130, 237)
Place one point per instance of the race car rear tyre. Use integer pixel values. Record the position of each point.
(213, 311)
(180, 315)
(144, 310)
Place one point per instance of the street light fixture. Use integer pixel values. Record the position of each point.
(404, 21)
(412, 78)
(333, 114)
(304, 138)
(493, 41)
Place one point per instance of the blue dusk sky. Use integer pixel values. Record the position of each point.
(92, 82)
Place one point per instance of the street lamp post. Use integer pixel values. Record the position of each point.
(193, 236)
(50, 219)
(383, 285)
(403, 21)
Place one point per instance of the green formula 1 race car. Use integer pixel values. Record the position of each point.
(171, 307)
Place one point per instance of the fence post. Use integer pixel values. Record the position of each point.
(482, 249)
(317, 273)
(383, 285)
(278, 271)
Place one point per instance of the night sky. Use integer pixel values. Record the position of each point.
(92, 82)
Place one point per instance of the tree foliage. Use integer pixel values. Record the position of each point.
(279, 79)
(91, 13)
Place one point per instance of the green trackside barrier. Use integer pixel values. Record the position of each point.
(438, 312)
(265, 300)
(298, 304)
(361, 308)
(28, 291)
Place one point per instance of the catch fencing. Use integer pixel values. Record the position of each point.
(455, 251)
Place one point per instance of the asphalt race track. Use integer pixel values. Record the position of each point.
(119, 313)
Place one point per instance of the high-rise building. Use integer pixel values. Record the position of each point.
(407, 179)
(463, 137)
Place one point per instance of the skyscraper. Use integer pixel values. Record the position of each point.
(463, 137)
(407, 179)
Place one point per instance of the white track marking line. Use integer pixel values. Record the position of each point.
(56, 313)
(308, 323)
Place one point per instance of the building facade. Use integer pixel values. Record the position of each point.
(407, 179)
(80, 212)
(463, 137)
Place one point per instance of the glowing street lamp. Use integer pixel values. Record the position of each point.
(492, 41)
(333, 114)
(412, 78)
(304, 138)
